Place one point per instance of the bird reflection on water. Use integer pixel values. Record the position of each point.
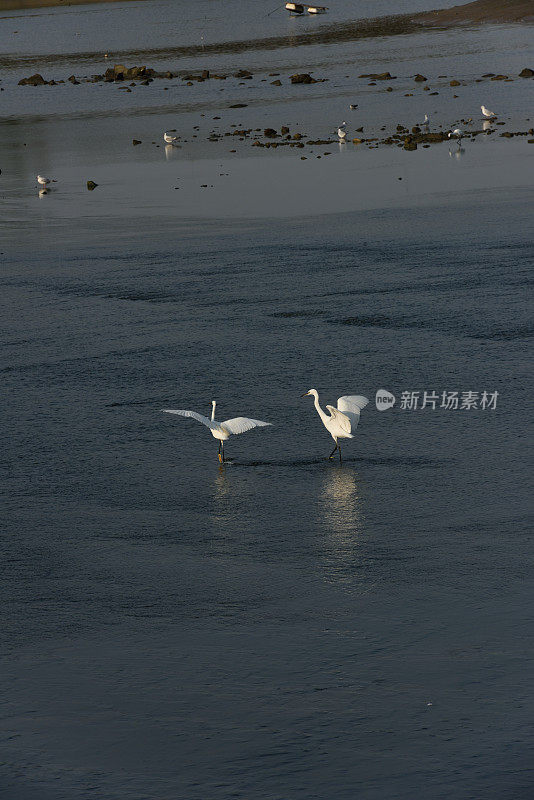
(340, 507)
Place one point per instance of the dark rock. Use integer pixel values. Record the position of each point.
(302, 77)
(526, 73)
(243, 73)
(205, 74)
(416, 129)
(91, 185)
(379, 76)
(238, 105)
(455, 83)
(409, 144)
(419, 78)
(136, 141)
(72, 79)
(276, 83)
(270, 133)
(499, 78)
(284, 130)
(33, 80)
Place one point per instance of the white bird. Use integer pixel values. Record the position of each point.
(352, 106)
(343, 420)
(487, 113)
(341, 132)
(221, 430)
(426, 121)
(458, 132)
(43, 181)
(169, 138)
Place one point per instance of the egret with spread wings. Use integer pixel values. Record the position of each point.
(343, 420)
(221, 430)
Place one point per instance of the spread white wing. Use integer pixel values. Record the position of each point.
(204, 420)
(342, 418)
(351, 405)
(242, 424)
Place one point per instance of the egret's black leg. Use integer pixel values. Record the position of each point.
(333, 451)
(221, 457)
(339, 448)
(222, 449)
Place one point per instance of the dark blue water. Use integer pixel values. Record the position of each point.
(282, 627)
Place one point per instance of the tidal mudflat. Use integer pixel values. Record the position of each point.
(281, 626)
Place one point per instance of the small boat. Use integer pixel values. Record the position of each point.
(295, 8)
(316, 9)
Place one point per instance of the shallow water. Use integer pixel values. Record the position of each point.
(283, 626)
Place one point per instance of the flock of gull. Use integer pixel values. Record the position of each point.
(341, 422)
(173, 141)
(457, 132)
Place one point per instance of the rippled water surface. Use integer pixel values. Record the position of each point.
(282, 627)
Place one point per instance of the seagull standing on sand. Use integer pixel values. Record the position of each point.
(221, 430)
(42, 181)
(487, 113)
(341, 132)
(169, 138)
(343, 420)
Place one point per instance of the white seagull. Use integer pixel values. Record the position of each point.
(221, 430)
(169, 138)
(458, 132)
(341, 132)
(43, 181)
(487, 113)
(343, 420)
(426, 121)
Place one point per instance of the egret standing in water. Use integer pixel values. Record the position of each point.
(458, 132)
(343, 420)
(221, 430)
(42, 181)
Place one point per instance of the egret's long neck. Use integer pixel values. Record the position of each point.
(320, 411)
(213, 410)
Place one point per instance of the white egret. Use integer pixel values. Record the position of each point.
(343, 420)
(169, 138)
(458, 132)
(341, 132)
(43, 181)
(487, 113)
(221, 430)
